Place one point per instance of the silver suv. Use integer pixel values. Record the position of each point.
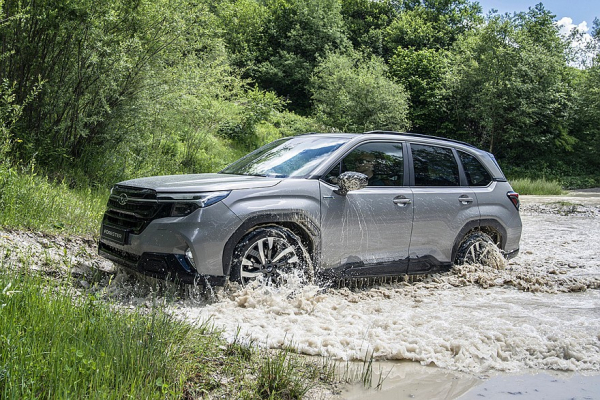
(336, 205)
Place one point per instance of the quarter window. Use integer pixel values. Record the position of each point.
(476, 173)
(434, 166)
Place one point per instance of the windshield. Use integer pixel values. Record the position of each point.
(287, 157)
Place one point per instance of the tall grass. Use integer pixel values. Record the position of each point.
(536, 187)
(29, 201)
(55, 346)
(58, 343)
(278, 378)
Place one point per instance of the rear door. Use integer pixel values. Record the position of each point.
(443, 205)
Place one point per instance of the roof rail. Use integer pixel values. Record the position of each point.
(420, 135)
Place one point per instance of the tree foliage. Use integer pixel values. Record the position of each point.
(92, 56)
(508, 87)
(106, 90)
(366, 22)
(295, 35)
(432, 24)
(351, 93)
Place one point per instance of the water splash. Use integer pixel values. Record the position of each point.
(540, 310)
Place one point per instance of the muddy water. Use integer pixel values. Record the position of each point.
(541, 312)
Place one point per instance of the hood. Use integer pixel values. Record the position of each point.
(201, 183)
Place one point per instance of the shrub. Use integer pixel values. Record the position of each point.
(536, 186)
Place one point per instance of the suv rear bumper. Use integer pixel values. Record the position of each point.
(173, 267)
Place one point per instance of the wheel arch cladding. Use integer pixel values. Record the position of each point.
(299, 223)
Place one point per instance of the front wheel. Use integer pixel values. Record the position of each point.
(270, 252)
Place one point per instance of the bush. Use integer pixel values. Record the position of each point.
(526, 186)
(354, 94)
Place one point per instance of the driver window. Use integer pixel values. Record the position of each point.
(382, 163)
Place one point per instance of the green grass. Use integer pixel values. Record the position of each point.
(542, 187)
(54, 345)
(29, 201)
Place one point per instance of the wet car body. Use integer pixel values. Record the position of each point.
(210, 227)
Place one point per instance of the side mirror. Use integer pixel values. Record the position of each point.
(349, 181)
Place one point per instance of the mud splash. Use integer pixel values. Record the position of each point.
(541, 310)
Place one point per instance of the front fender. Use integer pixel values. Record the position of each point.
(296, 220)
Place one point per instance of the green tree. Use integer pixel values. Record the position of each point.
(94, 58)
(422, 73)
(296, 34)
(508, 88)
(416, 46)
(352, 93)
(243, 23)
(366, 22)
(432, 24)
(585, 122)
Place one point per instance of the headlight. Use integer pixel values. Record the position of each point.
(186, 203)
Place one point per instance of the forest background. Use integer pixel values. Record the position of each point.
(94, 92)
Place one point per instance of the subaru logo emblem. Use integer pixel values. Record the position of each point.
(123, 199)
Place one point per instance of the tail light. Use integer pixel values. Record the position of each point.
(514, 198)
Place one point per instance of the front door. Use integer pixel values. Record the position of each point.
(367, 232)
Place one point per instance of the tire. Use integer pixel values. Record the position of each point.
(475, 249)
(271, 252)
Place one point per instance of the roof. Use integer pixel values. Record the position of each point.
(405, 134)
(419, 135)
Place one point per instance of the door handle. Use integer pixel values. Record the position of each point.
(402, 201)
(464, 199)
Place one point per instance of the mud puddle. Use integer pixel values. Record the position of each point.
(540, 313)
(413, 381)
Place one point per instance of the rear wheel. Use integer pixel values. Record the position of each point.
(270, 252)
(476, 248)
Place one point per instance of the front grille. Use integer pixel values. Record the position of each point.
(132, 209)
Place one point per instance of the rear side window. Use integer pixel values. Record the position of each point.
(476, 173)
(434, 166)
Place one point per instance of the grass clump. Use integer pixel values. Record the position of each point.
(278, 378)
(54, 345)
(29, 201)
(542, 187)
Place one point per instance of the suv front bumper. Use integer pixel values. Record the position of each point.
(511, 254)
(173, 267)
